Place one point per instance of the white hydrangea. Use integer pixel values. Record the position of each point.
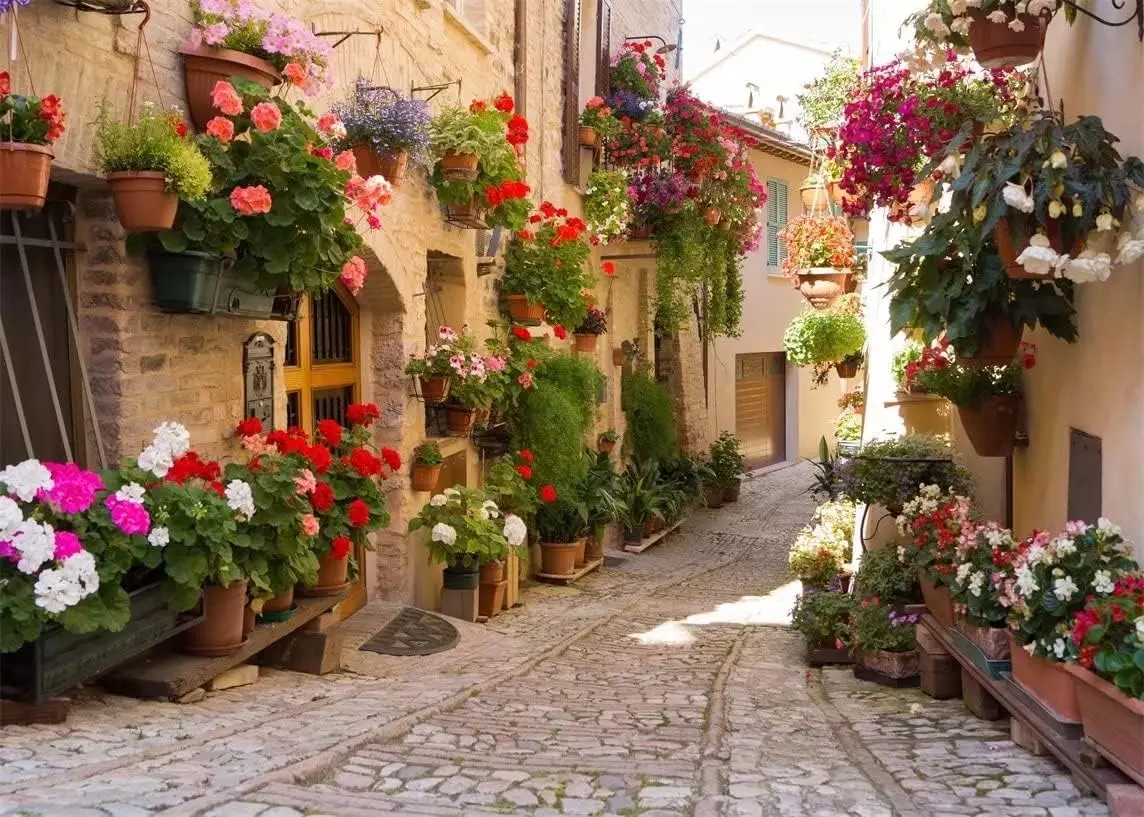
(131, 492)
(437, 500)
(10, 517)
(1064, 588)
(451, 492)
(1102, 582)
(36, 543)
(239, 497)
(483, 514)
(159, 537)
(445, 534)
(515, 531)
(26, 478)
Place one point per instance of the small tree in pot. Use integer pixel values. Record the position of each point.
(728, 464)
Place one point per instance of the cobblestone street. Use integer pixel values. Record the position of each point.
(656, 687)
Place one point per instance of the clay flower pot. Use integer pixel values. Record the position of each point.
(584, 343)
(992, 425)
(713, 494)
(142, 201)
(280, 603)
(581, 551)
(938, 601)
(221, 632)
(712, 215)
(891, 664)
(492, 572)
(588, 136)
(594, 548)
(1047, 681)
(1113, 722)
(558, 558)
(459, 167)
(837, 194)
(995, 45)
(999, 343)
(822, 286)
(815, 195)
(434, 389)
(204, 66)
(459, 420)
(24, 173)
(333, 576)
(366, 159)
(522, 310)
(605, 446)
(392, 164)
(618, 356)
(424, 477)
(490, 598)
(1008, 249)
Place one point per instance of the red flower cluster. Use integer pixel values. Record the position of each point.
(248, 427)
(507, 191)
(560, 332)
(362, 414)
(53, 115)
(189, 466)
(364, 462)
(358, 513)
(322, 498)
(391, 458)
(520, 333)
(524, 471)
(331, 432)
(340, 547)
(503, 103)
(517, 130)
(526, 455)
(548, 493)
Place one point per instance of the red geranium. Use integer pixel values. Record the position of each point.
(331, 431)
(248, 427)
(524, 471)
(503, 103)
(609, 267)
(319, 457)
(520, 333)
(358, 514)
(559, 331)
(526, 455)
(517, 130)
(364, 462)
(362, 414)
(392, 458)
(322, 498)
(548, 493)
(340, 547)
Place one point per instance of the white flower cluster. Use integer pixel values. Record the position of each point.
(614, 222)
(929, 498)
(239, 498)
(445, 534)
(62, 587)
(66, 581)
(25, 479)
(515, 530)
(171, 441)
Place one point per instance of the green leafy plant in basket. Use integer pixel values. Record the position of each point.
(155, 142)
(823, 619)
(891, 472)
(816, 337)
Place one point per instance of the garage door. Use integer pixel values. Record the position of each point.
(760, 407)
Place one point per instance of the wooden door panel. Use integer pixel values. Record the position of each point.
(760, 407)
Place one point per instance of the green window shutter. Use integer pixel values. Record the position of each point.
(772, 223)
(781, 190)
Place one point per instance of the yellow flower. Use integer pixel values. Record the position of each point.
(1059, 159)
(1056, 209)
(1078, 210)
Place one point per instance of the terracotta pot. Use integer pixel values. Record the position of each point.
(815, 195)
(280, 603)
(938, 601)
(992, 425)
(424, 477)
(558, 558)
(605, 446)
(434, 389)
(521, 310)
(588, 136)
(655, 525)
(459, 167)
(205, 66)
(712, 215)
(490, 598)
(221, 632)
(459, 421)
(24, 173)
(467, 216)
(618, 356)
(1008, 249)
(367, 160)
(249, 621)
(837, 194)
(995, 45)
(714, 496)
(492, 572)
(581, 550)
(992, 641)
(142, 201)
(731, 492)
(333, 577)
(593, 549)
(1045, 680)
(891, 664)
(999, 343)
(392, 164)
(847, 369)
(584, 343)
(921, 194)
(822, 286)
(1112, 721)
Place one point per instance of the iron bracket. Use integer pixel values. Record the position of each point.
(436, 89)
(1137, 15)
(345, 35)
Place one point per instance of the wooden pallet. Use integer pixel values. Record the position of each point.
(654, 539)
(553, 578)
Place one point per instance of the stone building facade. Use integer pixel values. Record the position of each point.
(145, 366)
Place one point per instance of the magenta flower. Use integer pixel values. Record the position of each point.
(130, 517)
(67, 544)
(8, 551)
(73, 489)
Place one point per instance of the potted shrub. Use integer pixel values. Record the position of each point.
(384, 130)
(827, 337)
(594, 324)
(642, 497)
(607, 205)
(29, 125)
(150, 164)
(823, 620)
(891, 472)
(597, 124)
(884, 641)
(930, 524)
(601, 492)
(561, 526)
(823, 100)
(229, 40)
(427, 465)
(988, 398)
(728, 464)
(478, 178)
(1002, 33)
(883, 574)
(635, 77)
(607, 441)
(822, 548)
(544, 269)
(820, 255)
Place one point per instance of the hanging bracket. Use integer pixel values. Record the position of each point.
(116, 7)
(1119, 5)
(345, 35)
(436, 89)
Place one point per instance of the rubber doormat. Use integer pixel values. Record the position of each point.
(614, 561)
(413, 632)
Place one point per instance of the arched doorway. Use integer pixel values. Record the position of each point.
(322, 374)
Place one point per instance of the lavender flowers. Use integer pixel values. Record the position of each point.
(383, 118)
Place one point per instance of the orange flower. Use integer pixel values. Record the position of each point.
(266, 117)
(346, 161)
(250, 201)
(221, 128)
(226, 99)
(295, 73)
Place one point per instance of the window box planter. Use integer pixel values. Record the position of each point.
(995, 45)
(205, 66)
(1047, 681)
(892, 666)
(24, 173)
(822, 286)
(1113, 722)
(58, 660)
(992, 641)
(992, 425)
(200, 284)
(937, 600)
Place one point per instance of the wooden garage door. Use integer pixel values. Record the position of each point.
(760, 407)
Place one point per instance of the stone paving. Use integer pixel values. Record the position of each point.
(659, 686)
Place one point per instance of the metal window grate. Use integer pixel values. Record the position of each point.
(331, 404)
(293, 409)
(331, 329)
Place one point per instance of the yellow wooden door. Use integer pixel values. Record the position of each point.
(760, 407)
(322, 375)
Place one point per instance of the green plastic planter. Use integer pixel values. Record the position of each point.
(459, 577)
(197, 283)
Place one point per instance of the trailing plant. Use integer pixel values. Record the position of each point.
(727, 460)
(607, 205)
(816, 241)
(651, 432)
(944, 25)
(546, 264)
(883, 575)
(465, 527)
(824, 99)
(939, 372)
(879, 627)
(30, 120)
(153, 142)
(823, 619)
(599, 116)
(891, 472)
(382, 118)
(816, 336)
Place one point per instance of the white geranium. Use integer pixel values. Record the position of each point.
(445, 534)
(131, 492)
(57, 589)
(963, 572)
(1059, 648)
(1026, 581)
(1102, 582)
(172, 437)
(1016, 197)
(239, 498)
(10, 517)
(451, 492)
(1108, 526)
(156, 460)
(491, 507)
(1039, 258)
(515, 530)
(1064, 546)
(26, 478)
(36, 543)
(976, 582)
(483, 514)
(1089, 266)
(438, 500)
(159, 536)
(1064, 588)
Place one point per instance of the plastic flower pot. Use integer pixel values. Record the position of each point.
(996, 45)
(588, 136)
(584, 343)
(196, 283)
(1008, 249)
(1113, 722)
(937, 600)
(24, 173)
(522, 310)
(633, 536)
(998, 344)
(822, 286)
(458, 576)
(142, 201)
(992, 425)
(1045, 680)
(392, 164)
(459, 420)
(333, 577)
(605, 446)
(424, 477)
(459, 167)
(581, 551)
(204, 66)
(434, 389)
(280, 603)
(711, 216)
(221, 632)
(846, 369)
(731, 492)
(558, 558)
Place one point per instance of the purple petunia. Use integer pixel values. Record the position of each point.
(9, 5)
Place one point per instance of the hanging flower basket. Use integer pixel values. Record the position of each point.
(815, 195)
(847, 369)
(998, 345)
(366, 159)
(459, 420)
(425, 476)
(1008, 249)
(459, 167)
(24, 173)
(434, 389)
(392, 164)
(588, 136)
(521, 310)
(142, 201)
(992, 425)
(996, 45)
(711, 216)
(822, 286)
(204, 66)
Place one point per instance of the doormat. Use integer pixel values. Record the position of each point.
(614, 561)
(413, 632)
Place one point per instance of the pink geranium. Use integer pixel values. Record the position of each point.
(250, 201)
(130, 517)
(226, 99)
(67, 544)
(221, 128)
(310, 525)
(73, 489)
(354, 273)
(266, 117)
(346, 161)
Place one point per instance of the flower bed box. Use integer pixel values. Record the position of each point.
(820, 656)
(974, 653)
(1113, 722)
(891, 669)
(195, 283)
(1046, 683)
(58, 660)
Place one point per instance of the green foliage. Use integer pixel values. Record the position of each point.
(607, 205)
(462, 528)
(826, 96)
(602, 491)
(151, 143)
(848, 426)
(577, 377)
(651, 433)
(547, 265)
(697, 263)
(428, 454)
(642, 493)
(550, 421)
(512, 492)
(823, 337)
(823, 619)
(727, 461)
(882, 575)
(970, 386)
(878, 627)
(826, 485)
(910, 353)
(890, 472)
(564, 520)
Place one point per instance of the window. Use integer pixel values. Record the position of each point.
(321, 368)
(776, 220)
